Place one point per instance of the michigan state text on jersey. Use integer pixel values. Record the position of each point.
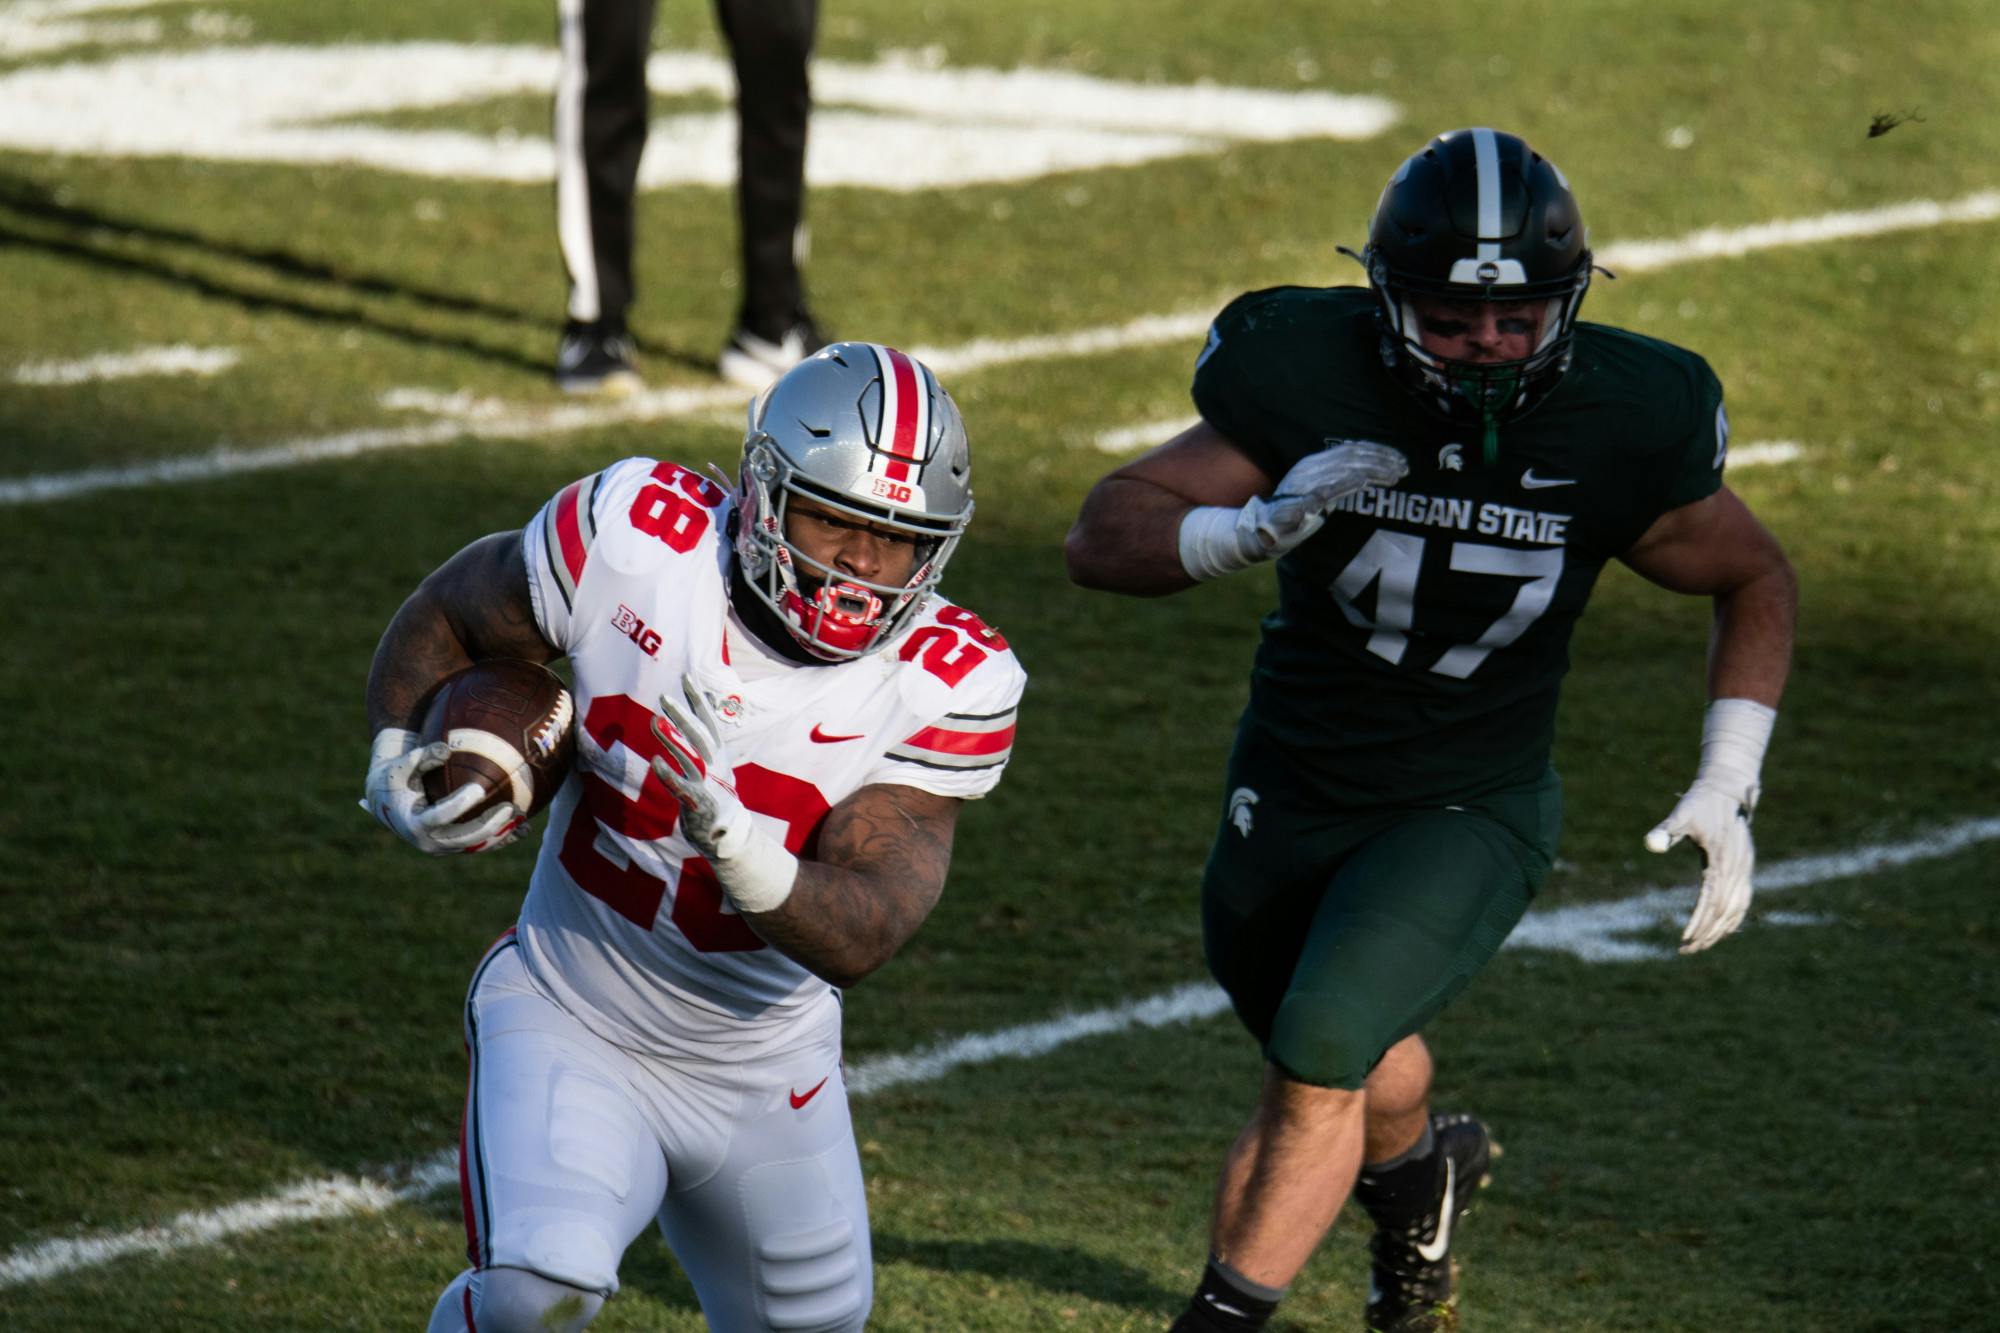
(1422, 633)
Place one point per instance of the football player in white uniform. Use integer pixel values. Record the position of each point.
(778, 717)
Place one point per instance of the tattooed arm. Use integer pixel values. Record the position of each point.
(882, 857)
(473, 606)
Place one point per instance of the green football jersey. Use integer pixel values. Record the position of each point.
(1422, 634)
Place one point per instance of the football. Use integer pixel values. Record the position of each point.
(509, 725)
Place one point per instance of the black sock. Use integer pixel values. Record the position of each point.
(1405, 1187)
(1227, 1302)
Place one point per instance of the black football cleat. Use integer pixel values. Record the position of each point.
(593, 359)
(1410, 1283)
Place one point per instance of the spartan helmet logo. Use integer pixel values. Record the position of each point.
(1451, 458)
(1240, 802)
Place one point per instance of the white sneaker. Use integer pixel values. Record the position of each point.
(755, 362)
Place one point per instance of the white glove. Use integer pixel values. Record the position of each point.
(1719, 824)
(752, 867)
(1715, 813)
(396, 768)
(1217, 540)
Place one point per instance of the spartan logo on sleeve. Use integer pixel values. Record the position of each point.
(1721, 434)
(1240, 802)
(1208, 349)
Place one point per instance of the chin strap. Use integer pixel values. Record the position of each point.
(1489, 450)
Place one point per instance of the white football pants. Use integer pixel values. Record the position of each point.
(571, 1144)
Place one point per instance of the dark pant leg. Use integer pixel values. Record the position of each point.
(1336, 936)
(770, 43)
(1410, 918)
(600, 124)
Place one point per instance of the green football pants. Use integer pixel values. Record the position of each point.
(1337, 934)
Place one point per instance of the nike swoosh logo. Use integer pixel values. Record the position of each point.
(1531, 482)
(1441, 1242)
(825, 739)
(798, 1101)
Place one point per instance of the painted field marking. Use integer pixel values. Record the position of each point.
(1124, 439)
(36, 27)
(1765, 453)
(307, 1201)
(1602, 932)
(528, 422)
(1593, 932)
(179, 359)
(227, 460)
(899, 123)
(1730, 242)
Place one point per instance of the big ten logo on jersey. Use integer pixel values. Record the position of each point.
(633, 628)
(895, 492)
(950, 649)
(676, 507)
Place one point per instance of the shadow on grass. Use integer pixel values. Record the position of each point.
(1057, 1269)
(650, 1267)
(96, 237)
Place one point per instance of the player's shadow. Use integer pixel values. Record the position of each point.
(649, 1267)
(323, 292)
(1057, 1269)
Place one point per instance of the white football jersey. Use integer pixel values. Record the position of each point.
(624, 923)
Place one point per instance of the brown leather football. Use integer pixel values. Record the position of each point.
(510, 727)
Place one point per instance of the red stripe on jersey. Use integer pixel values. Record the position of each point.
(568, 532)
(962, 742)
(903, 438)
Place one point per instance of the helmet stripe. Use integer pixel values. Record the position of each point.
(1486, 156)
(904, 407)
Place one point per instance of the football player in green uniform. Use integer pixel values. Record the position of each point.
(1440, 464)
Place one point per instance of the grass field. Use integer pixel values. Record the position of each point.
(221, 980)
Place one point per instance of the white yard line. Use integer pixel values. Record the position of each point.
(1766, 453)
(226, 460)
(180, 359)
(532, 422)
(1602, 932)
(334, 1196)
(1594, 932)
(1730, 242)
(1181, 1005)
(1145, 435)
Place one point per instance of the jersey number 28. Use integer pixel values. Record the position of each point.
(634, 894)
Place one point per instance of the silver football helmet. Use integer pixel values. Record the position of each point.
(865, 430)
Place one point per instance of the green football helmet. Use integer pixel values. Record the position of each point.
(1478, 215)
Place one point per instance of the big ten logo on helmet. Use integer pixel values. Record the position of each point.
(635, 629)
(895, 492)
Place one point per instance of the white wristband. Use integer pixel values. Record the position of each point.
(756, 871)
(1734, 735)
(1209, 544)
